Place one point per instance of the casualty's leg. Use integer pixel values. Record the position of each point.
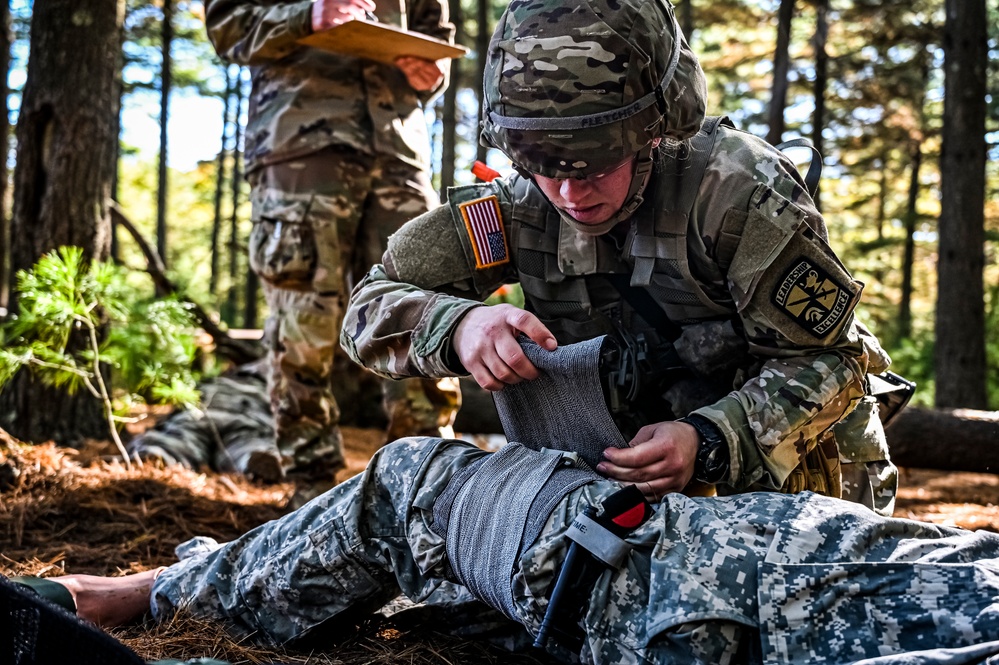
(353, 548)
(110, 601)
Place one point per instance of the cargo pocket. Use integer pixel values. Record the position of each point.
(339, 552)
(283, 244)
(869, 476)
(310, 580)
(819, 471)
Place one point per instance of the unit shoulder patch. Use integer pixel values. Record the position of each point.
(812, 297)
(484, 224)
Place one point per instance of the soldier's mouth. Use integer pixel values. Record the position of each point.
(587, 214)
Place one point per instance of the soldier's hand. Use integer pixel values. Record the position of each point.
(328, 13)
(423, 75)
(660, 459)
(486, 343)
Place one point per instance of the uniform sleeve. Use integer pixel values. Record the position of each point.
(795, 302)
(400, 318)
(252, 33)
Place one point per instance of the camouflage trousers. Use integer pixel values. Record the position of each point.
(761, 577)
(319, 222)
(233, 422)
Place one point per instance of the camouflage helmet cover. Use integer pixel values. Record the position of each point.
(602, 78)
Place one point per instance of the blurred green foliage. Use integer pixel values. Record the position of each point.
(75, 320)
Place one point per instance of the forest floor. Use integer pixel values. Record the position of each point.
(66, 511)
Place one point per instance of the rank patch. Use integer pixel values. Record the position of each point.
(812, 298)
(485, 230)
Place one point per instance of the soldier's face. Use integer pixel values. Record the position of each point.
(590, 200)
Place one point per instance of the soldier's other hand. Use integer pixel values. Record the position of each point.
(486, 343)
(328, 13)
(660, 459)
(423, 75)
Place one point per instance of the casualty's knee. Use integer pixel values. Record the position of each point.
(421, 460)
(408, 449)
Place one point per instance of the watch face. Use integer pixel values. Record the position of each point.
(712, 460)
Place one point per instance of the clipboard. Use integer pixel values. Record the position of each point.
(380, 42)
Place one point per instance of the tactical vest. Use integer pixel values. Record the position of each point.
(562, 274)
(560, 270)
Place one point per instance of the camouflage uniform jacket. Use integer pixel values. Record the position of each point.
(305, 99)
(750, 258)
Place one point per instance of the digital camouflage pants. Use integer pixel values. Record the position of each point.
(762, 577)
(319, 223)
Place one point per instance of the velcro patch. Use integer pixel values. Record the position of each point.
(485, 230)
(812, 297)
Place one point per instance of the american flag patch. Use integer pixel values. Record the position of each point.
(485, 230)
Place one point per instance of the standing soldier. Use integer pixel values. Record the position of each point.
(631, 210)
(337, 154)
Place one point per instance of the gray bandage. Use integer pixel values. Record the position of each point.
(564, 408)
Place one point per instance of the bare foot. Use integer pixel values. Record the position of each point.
(110, 601)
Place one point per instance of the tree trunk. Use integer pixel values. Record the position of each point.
(229, 310)
(912, 212)
(484, 12)
(62, 182)
(881, 214)
(165, 85)
(909, 251)
(5, 42)
(119, 91)
(947, 440)
(821, 79)
(250, 293)
(960, 316)
(687, 18)
(449, 110)
(778, 100)
(220, 185)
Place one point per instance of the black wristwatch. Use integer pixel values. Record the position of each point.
(712, 461)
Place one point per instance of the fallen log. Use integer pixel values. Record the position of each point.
(945, 439)
(237, 350)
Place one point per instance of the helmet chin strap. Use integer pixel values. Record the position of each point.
(639, 180)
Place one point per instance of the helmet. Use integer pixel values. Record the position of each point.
(573, 87)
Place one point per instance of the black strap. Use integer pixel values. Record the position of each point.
(646, 306)
(814, 164)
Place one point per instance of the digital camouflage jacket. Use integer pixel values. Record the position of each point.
(305, 99)
(765, 306)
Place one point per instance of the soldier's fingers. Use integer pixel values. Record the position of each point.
(501, 370)
(363, 5)
(643, 435)
(510, 353)
(482, 376)
(531, 326)
(490, 370)
(638, 456)
(634, 473)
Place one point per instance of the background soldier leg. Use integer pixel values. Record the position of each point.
(400, 192)
(305, 413)
(305, 216)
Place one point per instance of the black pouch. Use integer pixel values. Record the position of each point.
(892, 392)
